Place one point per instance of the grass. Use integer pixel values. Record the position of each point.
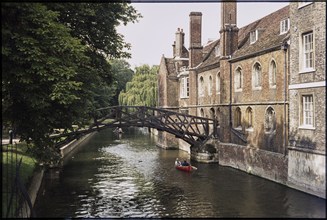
(11, 155)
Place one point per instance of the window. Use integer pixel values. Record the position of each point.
(270, 120)
(249, 117)
(201, 112)
(307, 52)
(307, 111)
(256, 76)
(218, 117)
(238, 118)
(284, 26)
(201, 87)
(238, 79)
(272, 74)
(184, 87)
(187, 86)
(217, 51)
(253, 36)
(218, 83)
(210, 86)
(212, 113)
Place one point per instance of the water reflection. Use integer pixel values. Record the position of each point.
(129, 176)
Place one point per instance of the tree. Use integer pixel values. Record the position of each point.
(55, 74)
(122, 74)
(142, 90)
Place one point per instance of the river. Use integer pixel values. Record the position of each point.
(129, 177)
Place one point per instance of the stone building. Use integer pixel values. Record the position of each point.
(242, 81)
(307, 95)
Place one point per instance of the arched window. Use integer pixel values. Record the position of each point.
(249, 117)
(256, 75)
(218, 83)
(218, 117)
(270, 120)
(212, 113)
(272, 74)
(201, 87)
(238, 79)
(201, 112)
(238, 118)
(210, 86)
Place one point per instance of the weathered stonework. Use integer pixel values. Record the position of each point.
(259, 127)
(269, 165)
(307, 145)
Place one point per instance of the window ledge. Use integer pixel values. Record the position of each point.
(256, 88)
(307, 71)
(239, 128)
(249, 129)
(272, 86)
(306, 127)
(270, 132)
(238, 90)
(184, 97)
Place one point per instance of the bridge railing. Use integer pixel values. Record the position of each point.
(192, 129)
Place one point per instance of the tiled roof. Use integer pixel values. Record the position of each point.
(269, 36)
(210, 57)
(170, 64)
(269, 33)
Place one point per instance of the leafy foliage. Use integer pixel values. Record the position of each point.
(54, 65)
(142, 90)
(122, 74)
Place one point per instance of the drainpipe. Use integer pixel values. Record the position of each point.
(230, 77)
(285, 49)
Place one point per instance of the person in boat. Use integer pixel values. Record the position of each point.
(118, 130)
(177, 162)
(185, 163)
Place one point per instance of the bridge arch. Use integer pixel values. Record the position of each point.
(192, 129)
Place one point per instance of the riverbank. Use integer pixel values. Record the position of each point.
(37, 173)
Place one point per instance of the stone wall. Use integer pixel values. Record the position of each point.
(269, 165)
(306, 171)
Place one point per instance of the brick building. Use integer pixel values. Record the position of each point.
(307, 95)
(249, 81)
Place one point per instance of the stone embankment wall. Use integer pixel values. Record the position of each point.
(306, 177)
(38, 175)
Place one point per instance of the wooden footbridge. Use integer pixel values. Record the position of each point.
(192, 129)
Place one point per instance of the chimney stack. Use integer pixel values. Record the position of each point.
(195, 39)
(228, 31)
(179, 43)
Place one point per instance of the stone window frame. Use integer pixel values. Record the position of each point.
(284, 26)
(272, 75)
(201, 112)
(303, 52)
(184, 87)
(238, 79)
(302, 113)
(270, 123)
(218, 80)
(253, 36)
(257, 76)
(237, 119)
(212, 113)
(217, 50)
(210, 85)
(201, 86)
(218, 117)
(249, 118)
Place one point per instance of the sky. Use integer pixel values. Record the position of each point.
(153, 35)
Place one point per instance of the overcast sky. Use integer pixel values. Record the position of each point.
(154, 34)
